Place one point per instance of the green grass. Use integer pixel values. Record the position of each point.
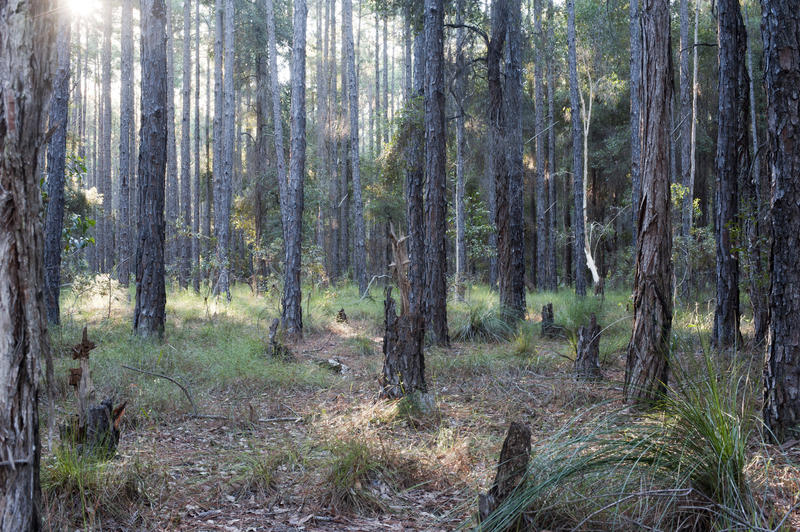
(354, 469)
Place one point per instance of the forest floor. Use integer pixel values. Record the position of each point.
(296, 445)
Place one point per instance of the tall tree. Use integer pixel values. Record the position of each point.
(780, 30)
(280, 158)
(647, 367)
(359, 252)
(292, 296)
(460, 93)
(223, 185)
(28, 31)
(542, 205)
(436, 174)
(186, 178)
(149, 313)
(196, 195)
(415, 181)
(551, 151)
(577, 155)
(56, 163)
(636, 114)
(496, 120)
(733, 165)
(105, 247)
(685, 122)
(172, 158)
(126, 142)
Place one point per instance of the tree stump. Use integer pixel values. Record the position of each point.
(587, 365)
(403, 362)
(549, 327)
(277, 349)
(511, 469)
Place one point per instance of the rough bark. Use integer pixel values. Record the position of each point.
(219, 8)
(359, 251)
(403, 360)
(636, 115)
(280, 158)
(647, 367)
(292, 296)
(552, 171)
(377, 95)
(185, 241)
(415, 177)
(685, 122)
(171, 249)
(196, 193)
(543, 242)
(732, 165)
(56, 162)
(107, 225)
(126, 143)
(149, 312)
(511, 468)
(460, 93)
(577, 155)
(26, 31)
(436, 175)
(587, 354)
(780, 30)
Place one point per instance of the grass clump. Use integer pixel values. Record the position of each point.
(354, 477)
(681, 466)
(361, 345)
(261, 472)
(523, 343)
(482, 322)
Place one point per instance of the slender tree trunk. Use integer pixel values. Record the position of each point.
(151, 298)
(461, 87)
(56, 162)
(685, 123)
(780, 30)
(552, 171)
(385, 108)
(689, 216)
(223, 188)
(636, 115)
(28, 31)
(733, 163)
(647, 368)
(209, 177)
(756, 222)
(219, 112)
(436, 173)
(359, 253)
(186, 176)
(171, 250)
(280, 158)
(292, 296)
(542, 205)
(332, 141)
(106, 228)
(126, 142)
(577, 155)
(377, 96)
(196, 195)
(415, 179)
(498, 200)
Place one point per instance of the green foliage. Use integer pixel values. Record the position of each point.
(354, 468)
(481, 322)
(523, 343)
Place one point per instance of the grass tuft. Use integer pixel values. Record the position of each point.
(355, 479)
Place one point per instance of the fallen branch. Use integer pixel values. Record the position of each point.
(366, 290)
(170, 379)
(260, 420)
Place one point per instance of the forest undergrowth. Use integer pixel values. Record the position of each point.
(285, 444)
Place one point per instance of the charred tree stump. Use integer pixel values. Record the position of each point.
(587, 365)
(549, 327)
(403, 362)
(511, 469)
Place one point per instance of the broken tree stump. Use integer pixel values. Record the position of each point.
(549, 327)
(587, 363)
(403, 362)
(277, 349)
(511, 469)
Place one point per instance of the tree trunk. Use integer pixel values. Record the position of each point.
(689, 216)
(56, 162)
(359, 252)
(28, 32)
(636, 116)
(756, 223)
(415, 178)
(780, 29)
(577, 155)
(223, 186)
(280, 158)
(196, 195)
(219, 112)
(151, 298)
(511, 469)
(733, 164)
(552, 171)
(436, 174)
(171, 249)
(292, 296)
(126, 142)
(403, 362)
(186, 179)
(461, 89)
(647, 367)
(543, 243)
(331, 140)
(685, 121)
(107, 223)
